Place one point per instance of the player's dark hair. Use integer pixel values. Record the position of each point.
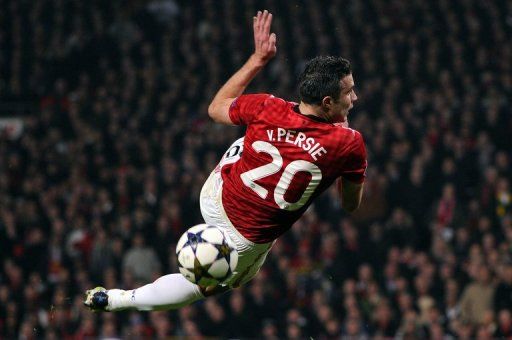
(321, 78)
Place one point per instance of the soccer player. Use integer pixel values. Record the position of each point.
(291, 153)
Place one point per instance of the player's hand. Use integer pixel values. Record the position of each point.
(264, 41)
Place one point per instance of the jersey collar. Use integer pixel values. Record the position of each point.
(313, 117)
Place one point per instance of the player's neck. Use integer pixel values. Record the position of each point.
(312, 110)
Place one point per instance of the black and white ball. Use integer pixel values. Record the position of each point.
(204, 255)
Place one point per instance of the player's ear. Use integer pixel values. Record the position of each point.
(327, 103)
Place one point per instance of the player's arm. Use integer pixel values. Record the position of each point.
(350, 193)
(264, 50)
(350, 184)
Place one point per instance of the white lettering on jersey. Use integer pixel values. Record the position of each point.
(270, 133)
(289, 135)
(308, 145)
(318, 153)
(301, 136)
(250, 177)
(300, 139)
(280, 133)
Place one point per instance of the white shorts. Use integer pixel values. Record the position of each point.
(251, 256)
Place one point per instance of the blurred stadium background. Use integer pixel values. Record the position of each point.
(105, 143)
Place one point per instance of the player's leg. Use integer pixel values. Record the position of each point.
(174, 290)
(167, 292)
(251, 257)
(170, 291)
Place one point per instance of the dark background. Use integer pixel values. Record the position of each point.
(113, 96)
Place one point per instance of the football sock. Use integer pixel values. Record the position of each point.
(167, 292)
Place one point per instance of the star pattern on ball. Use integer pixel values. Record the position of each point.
(205, 257)
(224, 251)
(201, 270)
(194, 239)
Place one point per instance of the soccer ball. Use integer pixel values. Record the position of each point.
(204, 255)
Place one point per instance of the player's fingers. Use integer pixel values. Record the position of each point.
(255, 27)
(267, 23)
(257, 22)
(263, 28)
(272, 41)
(272, 48)
(261, 18)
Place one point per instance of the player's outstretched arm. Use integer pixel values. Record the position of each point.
(264, 50)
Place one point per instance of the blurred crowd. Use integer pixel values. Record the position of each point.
(107, 173)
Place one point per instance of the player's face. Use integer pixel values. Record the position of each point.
(347, 98)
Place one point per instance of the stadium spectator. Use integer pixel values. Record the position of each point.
(141, 261)
(476, 299)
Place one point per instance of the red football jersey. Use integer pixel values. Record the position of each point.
(288, 159)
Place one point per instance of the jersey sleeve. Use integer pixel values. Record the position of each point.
(245, 108)
(355, 165)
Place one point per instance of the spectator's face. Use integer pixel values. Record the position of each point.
(324, 313)
(483, 275)
(365, 273)
(349, 287)
(352, 326)
(405, 302)
(462, 236)
(294, 332)
(383, 313)
(391, 271)
(409, 320)
(505, 318)
(109, 329)
(436, 331)
(237, 303)
(507, 274)
(483, 333)
(138, 241)
(350, 302)
(446, 271)
(401, 284)
(508, 233)
(421, 285)
(333, 327)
